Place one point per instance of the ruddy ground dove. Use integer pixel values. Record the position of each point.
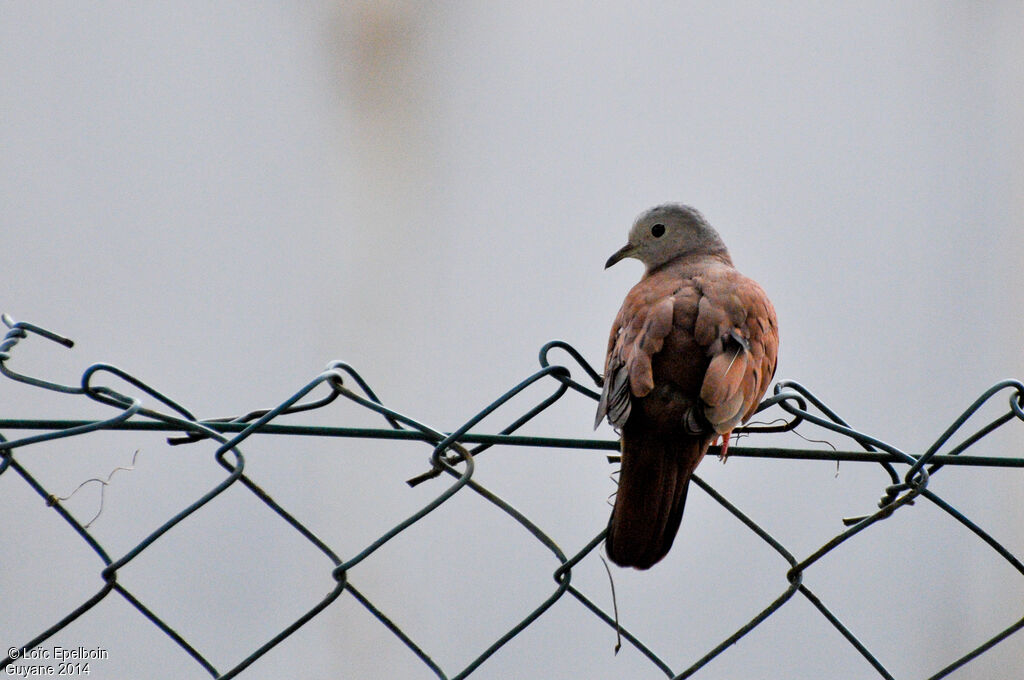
(690, 355)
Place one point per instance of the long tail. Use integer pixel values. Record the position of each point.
(652, 492)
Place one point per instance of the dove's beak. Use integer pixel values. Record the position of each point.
(620, 254)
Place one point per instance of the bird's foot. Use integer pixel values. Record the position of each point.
(723, 453)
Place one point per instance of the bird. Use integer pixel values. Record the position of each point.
(690, 355)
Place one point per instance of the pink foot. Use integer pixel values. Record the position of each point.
(724, 453)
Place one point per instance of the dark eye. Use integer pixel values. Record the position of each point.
(657, 230)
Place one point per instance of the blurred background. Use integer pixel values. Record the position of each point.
(221, 198)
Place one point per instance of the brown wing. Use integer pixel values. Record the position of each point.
(720, 340)
(638, 333)
(736, 322)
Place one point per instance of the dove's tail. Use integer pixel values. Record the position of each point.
(652, 492)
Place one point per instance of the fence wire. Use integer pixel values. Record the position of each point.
(455, 455)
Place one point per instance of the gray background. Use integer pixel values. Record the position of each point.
(222, 198)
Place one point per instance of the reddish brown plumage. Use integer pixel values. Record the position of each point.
(690, 355)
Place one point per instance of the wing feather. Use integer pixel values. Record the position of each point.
(638, 334)
(736, 322)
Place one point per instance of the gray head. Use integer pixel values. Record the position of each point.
(667, 232)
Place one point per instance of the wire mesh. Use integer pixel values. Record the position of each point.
(455, 455)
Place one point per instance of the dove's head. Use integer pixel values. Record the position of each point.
(667, 232)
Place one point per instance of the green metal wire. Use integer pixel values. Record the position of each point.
(455, 454)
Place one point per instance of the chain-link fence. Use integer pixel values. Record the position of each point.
(456, 455)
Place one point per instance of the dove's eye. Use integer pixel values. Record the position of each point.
(657, 230)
